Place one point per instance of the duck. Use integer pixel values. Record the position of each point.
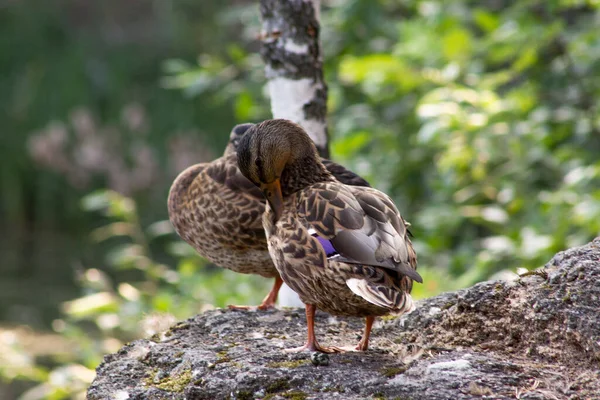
(343, 249)
(218, 211)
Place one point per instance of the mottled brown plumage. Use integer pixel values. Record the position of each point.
(215, 209)
(343, 249)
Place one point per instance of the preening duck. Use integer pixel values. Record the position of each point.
(344, 249)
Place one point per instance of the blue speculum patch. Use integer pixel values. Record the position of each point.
(327, 246)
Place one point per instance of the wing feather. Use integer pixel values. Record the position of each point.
(233, 186)
(226, 173)
(399, 302)
(365, 227)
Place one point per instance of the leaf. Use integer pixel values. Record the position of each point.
(188, 267)
(376, 70)
(95, 201)
(121, 207)
(112, 203)
(91, 305)
(162, 302)
(351, 143)
(457, 44)
(243, 106)
(486, 20)
(160, 228)
(112, 230)
(175, 66)
(527, 58)
(236, 53)
(128, 256)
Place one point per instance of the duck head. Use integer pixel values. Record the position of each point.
(273, 155)
(235, 136)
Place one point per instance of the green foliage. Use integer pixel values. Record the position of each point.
(59, 56)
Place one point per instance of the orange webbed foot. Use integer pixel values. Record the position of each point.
(315, 347)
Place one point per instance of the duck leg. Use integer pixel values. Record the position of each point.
(311, 341)
(363, 345)
(268, 302)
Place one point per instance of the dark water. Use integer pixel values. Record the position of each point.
(37, 271)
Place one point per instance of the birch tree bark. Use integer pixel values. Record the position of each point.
(294, 65)
(294, 68)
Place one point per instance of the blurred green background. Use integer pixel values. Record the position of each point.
(480, 118)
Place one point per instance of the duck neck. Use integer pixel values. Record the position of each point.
(303, 173)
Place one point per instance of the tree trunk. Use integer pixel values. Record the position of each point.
(294, 65)
(294, 69)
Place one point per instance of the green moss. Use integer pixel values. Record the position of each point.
(393, 371)
(389, 317)
(536, 272)
(295, 395)
(178, 327)
(338, 389)
(176, 383)
(155, 338)
(287, 364)
(244, 395)
(278, 386)
(222, 357)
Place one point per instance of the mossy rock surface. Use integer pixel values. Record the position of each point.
(537, 337)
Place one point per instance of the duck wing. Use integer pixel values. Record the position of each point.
(235, 187)
(361, 224)
(227, 173)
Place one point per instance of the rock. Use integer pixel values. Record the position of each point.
(319, 359)
(537, 337)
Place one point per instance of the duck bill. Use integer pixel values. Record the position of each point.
(272, 192)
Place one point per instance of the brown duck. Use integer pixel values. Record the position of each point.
(215, 209)
(343, 249)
